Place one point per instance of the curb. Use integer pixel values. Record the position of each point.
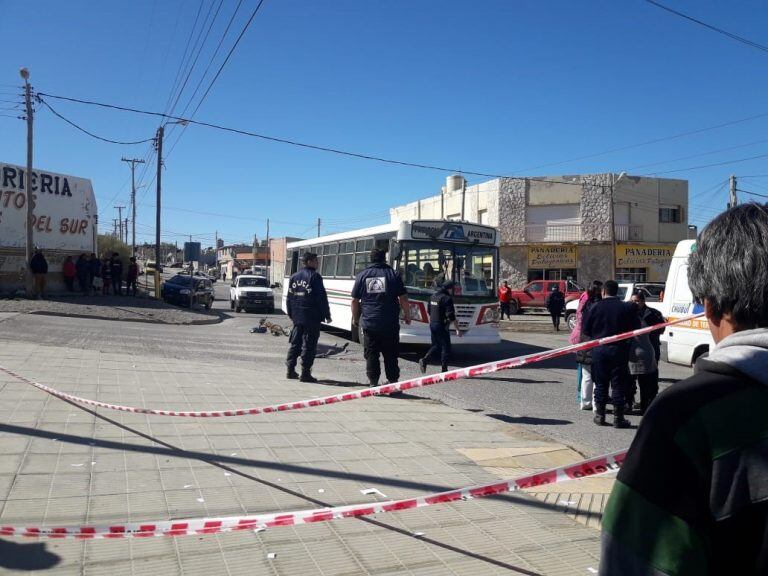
(217, 320)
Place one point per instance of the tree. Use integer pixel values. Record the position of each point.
(109, 244)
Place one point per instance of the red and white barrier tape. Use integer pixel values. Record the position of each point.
(591, 467)
(469, 372)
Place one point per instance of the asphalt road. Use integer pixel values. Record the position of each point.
(540, 398)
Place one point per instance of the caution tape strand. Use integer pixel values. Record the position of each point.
(183, 527)
(386, 389)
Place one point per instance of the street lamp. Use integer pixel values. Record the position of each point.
(614, 181)
(159, 142)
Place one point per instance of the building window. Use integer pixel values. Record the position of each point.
(552, 274)
(670, 214)
(631, 274)
(482, 217)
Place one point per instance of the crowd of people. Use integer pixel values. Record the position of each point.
(89, 274)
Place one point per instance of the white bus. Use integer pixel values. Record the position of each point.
(426, 253)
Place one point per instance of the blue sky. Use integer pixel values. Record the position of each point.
(502, 87)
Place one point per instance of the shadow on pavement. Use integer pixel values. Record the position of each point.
(26, 557)
(516, 380)
(340, 383)
(167, 449)
(529, 420)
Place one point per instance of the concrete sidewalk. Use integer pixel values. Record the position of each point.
(63, 464)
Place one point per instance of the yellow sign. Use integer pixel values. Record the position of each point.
(654, 257)
(643, 255)
(552, 256)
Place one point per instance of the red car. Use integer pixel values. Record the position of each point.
(534, 294)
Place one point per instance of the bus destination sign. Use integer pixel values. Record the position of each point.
(452, 232)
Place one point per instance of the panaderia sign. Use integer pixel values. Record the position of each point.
(65, 210)
(643, 255)
(64, 218)
(552, 256)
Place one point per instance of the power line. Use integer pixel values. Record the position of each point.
(182, 64)
(752, 193)
(731, 35)
(202, 78)
(199, 44)
(231, 50)
(649, 142)
(699, 155)
(275, 139)
(210, 62)
(91, 134)
(382, 159)
(738, 160)
(221, 68)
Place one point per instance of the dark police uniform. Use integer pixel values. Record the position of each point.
(378, 288)
(609, 317)
(441, 314)
(307, 304)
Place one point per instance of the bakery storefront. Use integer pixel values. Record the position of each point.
(548, 262)
(643, 262)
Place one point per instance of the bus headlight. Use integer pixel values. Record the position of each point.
(417, 312)
(489, 315)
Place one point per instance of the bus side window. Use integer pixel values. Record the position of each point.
(291, 263)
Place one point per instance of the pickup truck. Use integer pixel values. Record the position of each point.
(250, 292)
(626, 289)
(534, 294)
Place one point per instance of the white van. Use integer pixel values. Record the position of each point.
(683, 343)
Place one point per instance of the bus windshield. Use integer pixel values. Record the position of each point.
(426, 265)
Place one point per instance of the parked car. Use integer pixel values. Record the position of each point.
(151, 266)
(178, 290)
(654, 291)
(251, 292)
(176, 265)
(534, 294)
(626, 289)
(205, 276)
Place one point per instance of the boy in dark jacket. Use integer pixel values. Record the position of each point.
(39, 267)
(555, 304)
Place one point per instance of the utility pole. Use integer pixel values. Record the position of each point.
(114, 227)
(463, 195)
(268, 260)
(28, 186)
(254, 253)
(732, 200)
(318, 227)
(133, 162)
(126, 232)
(120, 220)
(614, 180)
(159, 143)
(216, 249)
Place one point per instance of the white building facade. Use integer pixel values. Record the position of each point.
(561, 227)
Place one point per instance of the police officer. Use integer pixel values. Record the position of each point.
(377, 296)
(307, 304)
(608, 317)
(441, 314)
